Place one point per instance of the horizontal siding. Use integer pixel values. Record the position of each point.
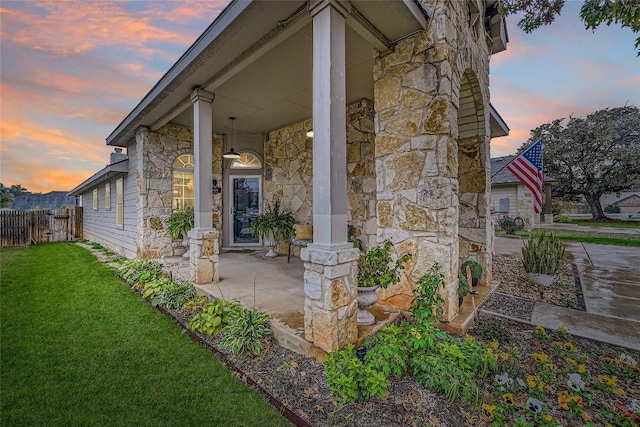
(508, 191)
(100, 226)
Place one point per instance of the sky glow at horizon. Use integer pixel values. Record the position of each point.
(71, 71)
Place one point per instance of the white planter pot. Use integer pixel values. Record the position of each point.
(541, 279)
(366, 298)
(185, 243)
(271, 244)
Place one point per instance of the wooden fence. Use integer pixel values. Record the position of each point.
(21, 228)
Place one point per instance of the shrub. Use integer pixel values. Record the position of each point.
(427, 302)
(510, 224)
(612, 209)
(350, 380)
(463, 285)
(562, 219)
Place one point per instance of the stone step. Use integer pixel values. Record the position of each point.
(469, 309)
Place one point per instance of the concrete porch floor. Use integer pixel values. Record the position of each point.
(279, 292)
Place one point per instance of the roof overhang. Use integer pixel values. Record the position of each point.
(498, 125)
(111, 171)
(256, 57)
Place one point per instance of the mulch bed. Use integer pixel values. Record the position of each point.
(299, 383)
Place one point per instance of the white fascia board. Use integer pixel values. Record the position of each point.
(222, 21)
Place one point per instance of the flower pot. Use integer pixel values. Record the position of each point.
(460, 301)
(271, 244)
(474, 281)
(366, 298)
(541, 279)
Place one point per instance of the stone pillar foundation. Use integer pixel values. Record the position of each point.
(330, 287)
(204, 250)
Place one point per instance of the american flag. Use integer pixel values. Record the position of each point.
(527, 167)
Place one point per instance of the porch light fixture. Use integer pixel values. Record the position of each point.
(310, 133)
(231, 154)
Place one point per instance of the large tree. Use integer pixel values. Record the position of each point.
(536, 13)
(7, 194)
(594, 155)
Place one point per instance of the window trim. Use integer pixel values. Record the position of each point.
(120, 202)
(107, 196)
(95, 199)
(183, 167)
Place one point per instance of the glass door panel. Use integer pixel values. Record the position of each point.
(245, 195)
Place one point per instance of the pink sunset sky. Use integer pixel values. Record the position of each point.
(70, 71)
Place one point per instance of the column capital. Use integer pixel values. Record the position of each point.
(201, 95)
(342, 6)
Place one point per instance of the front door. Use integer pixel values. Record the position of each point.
(245, 207)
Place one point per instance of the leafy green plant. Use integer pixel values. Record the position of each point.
(246, 330)
(155, 287)
(562, 219)
(427, 302)
(350, 380)
(274, 221)
(180, 222)
(476, 269)
(139, 270)
(213, 317)
(376, 267)
(463, 286)
(174, 295)
(510, 224)
(387, 351)
(542, 253)
(612, 209)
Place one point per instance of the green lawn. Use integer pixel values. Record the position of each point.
(612, 224)
(78, 347)
(589, 237)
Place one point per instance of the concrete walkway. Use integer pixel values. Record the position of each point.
(610, 278)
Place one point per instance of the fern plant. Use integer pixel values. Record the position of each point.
(542, 253)
(180, 222)
(274, 221)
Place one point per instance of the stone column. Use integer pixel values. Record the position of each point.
(330, 262)
(330, 306)
(204, 249)
(203, 239)
(548, 214)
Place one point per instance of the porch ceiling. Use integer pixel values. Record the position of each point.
(257, 59)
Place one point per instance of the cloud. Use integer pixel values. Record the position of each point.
(63, 28)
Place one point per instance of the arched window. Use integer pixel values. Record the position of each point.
(246, 161)
(183, 182)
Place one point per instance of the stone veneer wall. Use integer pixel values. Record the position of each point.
(288, 177)
(154, 178)
(417, 97)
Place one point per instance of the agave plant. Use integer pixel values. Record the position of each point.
(542, 253)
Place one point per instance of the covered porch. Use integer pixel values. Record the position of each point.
(400, 147)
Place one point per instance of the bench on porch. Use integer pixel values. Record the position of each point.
(302, 236)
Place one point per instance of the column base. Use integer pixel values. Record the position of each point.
(330, 286)
(204, 258)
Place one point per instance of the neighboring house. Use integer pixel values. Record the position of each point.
(510, 197)
(50, 200)
(397, 96)
(628, 201)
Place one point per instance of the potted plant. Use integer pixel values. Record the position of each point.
(376, 269)
(541, 257)
(273, 225)
(463, 288)
(179, 224)
(476, 271)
